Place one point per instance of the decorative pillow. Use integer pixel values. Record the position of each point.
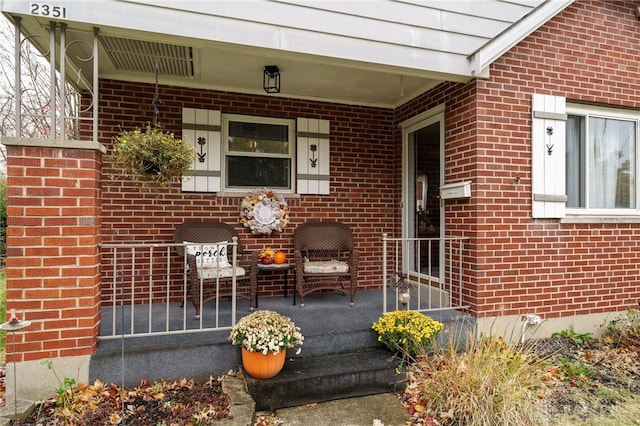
(326, 267)
(209, 255)
(213, 272)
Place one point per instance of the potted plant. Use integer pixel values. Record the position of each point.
(407, 331)
(264, 337)
(152, 155)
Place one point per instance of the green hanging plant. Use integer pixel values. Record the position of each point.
(152, 155)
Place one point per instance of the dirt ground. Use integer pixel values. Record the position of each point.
(591, 383)
(183, 402)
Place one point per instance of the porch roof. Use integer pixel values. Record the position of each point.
(378, 52)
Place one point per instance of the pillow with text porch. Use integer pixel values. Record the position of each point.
(209, 255)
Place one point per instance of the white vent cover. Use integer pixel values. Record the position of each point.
(142, 56)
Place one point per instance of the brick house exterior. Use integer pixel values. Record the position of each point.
(572, 271)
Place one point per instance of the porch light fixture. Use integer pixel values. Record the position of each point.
(271, 79)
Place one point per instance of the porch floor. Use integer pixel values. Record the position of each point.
(322, 313)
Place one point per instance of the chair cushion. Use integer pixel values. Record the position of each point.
(210, 272)
(325, 267)
(209, 255)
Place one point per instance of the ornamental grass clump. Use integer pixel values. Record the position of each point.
(152, 155)
(407, 331)
(488, 382)
(266, 331)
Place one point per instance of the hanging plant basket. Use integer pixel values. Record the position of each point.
(152, 155)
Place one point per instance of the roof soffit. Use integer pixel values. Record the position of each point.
(342, 51)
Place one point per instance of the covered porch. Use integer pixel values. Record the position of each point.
(147, 332)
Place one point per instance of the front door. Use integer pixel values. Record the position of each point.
(423, 214)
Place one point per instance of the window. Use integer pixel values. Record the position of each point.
(258, 152)
(236, 153)
(601, 159)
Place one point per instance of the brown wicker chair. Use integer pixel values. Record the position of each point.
(213, 232)
(325, 259)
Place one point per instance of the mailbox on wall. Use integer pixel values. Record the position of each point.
(452, 191)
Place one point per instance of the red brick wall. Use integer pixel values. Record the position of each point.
(53, 264)
(364, 175)
(588, 53)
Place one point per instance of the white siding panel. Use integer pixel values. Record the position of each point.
(436, 17)
(409, 34)
(493, 9)
(374, 20)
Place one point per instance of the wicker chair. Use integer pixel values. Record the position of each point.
(213, 232)
(325, 259)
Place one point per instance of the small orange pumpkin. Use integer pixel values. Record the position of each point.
(280, 257)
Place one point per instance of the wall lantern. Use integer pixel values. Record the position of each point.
(271, 79)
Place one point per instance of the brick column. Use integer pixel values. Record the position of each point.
(53, 259)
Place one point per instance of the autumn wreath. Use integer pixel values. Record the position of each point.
(264, 211)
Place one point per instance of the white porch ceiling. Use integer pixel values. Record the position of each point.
(379, 52)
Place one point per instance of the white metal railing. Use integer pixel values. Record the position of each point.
(435, 268)
(147, 287)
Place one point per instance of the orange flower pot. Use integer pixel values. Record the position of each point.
(261, 366)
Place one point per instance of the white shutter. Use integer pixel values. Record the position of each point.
(312, 156)
(201, 129)
(548, 156)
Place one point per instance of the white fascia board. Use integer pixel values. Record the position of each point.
(480, 60)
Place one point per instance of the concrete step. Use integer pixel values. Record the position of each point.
(199, 355)
(337, 342)
(309, 379)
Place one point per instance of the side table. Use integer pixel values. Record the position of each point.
(283, 267)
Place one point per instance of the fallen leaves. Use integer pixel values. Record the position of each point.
(182, 402)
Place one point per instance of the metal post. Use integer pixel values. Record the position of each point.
(233, 279)
(384, 273)
(52, 76)
(96, 32)
(61, 82)
(18, 92)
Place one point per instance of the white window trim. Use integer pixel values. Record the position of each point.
(291, 123)
(598, 215)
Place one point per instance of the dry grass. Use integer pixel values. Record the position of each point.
(487, 382)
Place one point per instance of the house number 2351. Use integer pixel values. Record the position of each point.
(44, 9)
